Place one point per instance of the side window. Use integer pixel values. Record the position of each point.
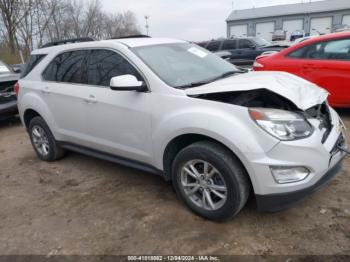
(338, 50)
(299, 53)
(245, 44)
(213, 46)
(105, 64)
(33, 61)
(332, 50)
(67, 67)
(229, 44)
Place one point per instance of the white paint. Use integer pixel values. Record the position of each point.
(239, 30)
(346, 20)
(321, 25)
(292, 25)
(265, 30)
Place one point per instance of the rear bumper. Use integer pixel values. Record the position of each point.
(282, 201)
(8, 109)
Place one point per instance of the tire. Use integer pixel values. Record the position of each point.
(49, 151)
(225, 171)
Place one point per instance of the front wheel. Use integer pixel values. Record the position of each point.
(210, 180)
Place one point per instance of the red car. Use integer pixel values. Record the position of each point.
(323, 60)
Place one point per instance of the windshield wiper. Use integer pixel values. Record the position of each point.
(204, 82)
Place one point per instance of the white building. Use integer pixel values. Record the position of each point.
(319, 17)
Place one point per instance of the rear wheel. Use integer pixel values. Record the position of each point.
(43, 141)
(210, 180)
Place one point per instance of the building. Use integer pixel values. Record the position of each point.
(319, 17)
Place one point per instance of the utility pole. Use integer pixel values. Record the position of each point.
(147, 25)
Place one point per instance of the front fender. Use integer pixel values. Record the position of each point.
(228, 124)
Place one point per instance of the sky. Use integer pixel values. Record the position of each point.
(192, 20)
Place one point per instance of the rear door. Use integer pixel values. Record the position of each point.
(232, 47)
(64, 93)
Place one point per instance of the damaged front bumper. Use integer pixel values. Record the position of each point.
(323, 159)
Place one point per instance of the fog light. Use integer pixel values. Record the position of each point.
(285, 174)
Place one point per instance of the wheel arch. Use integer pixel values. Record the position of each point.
(28, 115)
(175, 145)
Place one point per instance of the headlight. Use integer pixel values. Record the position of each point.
(281, 124)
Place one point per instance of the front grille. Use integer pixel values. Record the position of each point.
(321, 113)
(7, 92)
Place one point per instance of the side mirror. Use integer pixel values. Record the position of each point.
(127, 83)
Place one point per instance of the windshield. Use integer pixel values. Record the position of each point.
(3, 68)
(184, 65)
(261, 41)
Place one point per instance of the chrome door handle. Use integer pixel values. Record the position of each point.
(46, 90)
(91, 99)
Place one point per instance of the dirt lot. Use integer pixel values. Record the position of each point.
(82, 205)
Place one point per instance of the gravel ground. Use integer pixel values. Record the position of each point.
(82, 205)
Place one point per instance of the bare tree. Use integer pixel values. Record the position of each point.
(27, 24)
(12, 13)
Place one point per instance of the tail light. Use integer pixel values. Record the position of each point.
(16, 87)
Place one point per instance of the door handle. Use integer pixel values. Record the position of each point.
(91, 99)
(46, 90)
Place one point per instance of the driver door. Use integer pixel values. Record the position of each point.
(119, 122)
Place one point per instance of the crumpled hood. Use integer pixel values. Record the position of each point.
(302, 93)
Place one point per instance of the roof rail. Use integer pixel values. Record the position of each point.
(68, 41)
(131, 36)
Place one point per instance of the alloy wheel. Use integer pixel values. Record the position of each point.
(203, 185)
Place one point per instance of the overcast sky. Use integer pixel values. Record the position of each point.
(186, 19)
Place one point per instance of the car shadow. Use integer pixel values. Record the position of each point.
(11, 121)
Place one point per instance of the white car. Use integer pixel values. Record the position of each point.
(171, 107)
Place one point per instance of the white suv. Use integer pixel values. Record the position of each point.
(170, 107)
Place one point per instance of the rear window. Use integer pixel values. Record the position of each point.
(33, 61)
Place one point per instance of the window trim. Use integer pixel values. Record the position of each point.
(90, 49)
(287, 56)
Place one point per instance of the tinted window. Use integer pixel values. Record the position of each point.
(213, 46)
(67, 67)
(245, 44)
(104, 65)
(331, 50)
(33, 61)
(229, 44)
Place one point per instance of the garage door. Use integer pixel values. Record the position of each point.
(346, 20)
(321, 25)
(238, 30)
(292, 25)
(265, 30)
